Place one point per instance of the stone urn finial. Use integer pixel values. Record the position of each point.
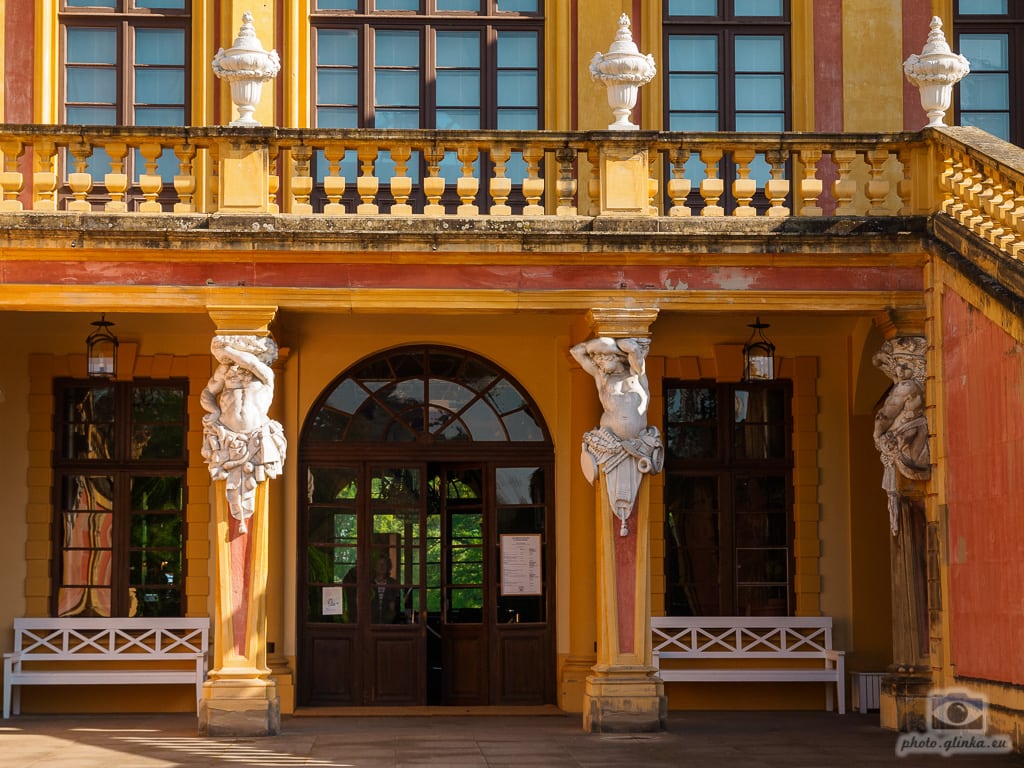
(246, 65)
(623, 70)
(935, 72)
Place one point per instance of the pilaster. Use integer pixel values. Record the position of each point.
(622, 693)
(240, 698)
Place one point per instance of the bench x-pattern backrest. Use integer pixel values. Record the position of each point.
(110, 638)
(742, 637)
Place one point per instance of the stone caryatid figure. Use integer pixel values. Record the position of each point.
(901, 429)
(242, 444)
(624, 448)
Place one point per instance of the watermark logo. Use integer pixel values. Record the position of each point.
(957, 724)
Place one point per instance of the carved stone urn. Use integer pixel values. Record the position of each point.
(246, 66)
(623, 69)
(935, 72)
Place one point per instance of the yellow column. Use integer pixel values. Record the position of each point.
(623, 693)
(240, 697)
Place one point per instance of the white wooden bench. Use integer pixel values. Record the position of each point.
(139, 651)
(737, 640)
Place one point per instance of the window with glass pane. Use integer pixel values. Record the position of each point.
(990, 34)
(331, 572)
(520, 516)
(728, 508)
(120, 472)
(127, 65)
(445, 64)
(727, 64)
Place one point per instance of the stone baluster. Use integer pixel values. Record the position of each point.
(80, 181)
(711, 187)
(905, 186)
(777, 187)
(185, 179)
(678, 186)
(401, 182)
(981, 223)
(844, 189)
(433, 185)
(566, 185)
(947, 183)
(961, 187)
(810, 185)
(533, 184)
(367, 184)
(1006, 236)
(334, 182)
(970, 187)
(594, 183)
(877, 187)
(1015, 219)
(653, 185)
(743, 188)
(468, 185)
(214, 186)
(44, 177)
(500, 185)
(301, 181)
(995, 213)
(11, 180)
(273, 179)
(116, 181)
(150, 182)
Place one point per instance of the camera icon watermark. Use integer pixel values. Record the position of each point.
(956, 724)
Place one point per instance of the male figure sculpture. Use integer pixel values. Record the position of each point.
(624, 447)
(242, 444)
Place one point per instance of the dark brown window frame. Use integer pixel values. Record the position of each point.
(727, 468)
(1012, 25)
(123, 469)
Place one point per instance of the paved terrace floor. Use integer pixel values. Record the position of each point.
(719, 739)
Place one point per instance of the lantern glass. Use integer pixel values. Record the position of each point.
(101, 350)
(758, 354)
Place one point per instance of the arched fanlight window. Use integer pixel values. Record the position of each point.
(424, 395)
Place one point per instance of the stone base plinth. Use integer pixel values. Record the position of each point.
(903, 701)
(624, 701)
(239, 708)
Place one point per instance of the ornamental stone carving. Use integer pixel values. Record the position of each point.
(935, 72)
(901, 429)
(624, 448)
(242, 445)
(246, 66)
(623, 70)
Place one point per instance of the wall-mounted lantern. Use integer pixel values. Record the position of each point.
(101, 350)
(758, 354)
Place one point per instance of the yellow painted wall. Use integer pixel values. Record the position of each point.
(873, 65)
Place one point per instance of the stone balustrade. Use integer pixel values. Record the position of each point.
(963, 173)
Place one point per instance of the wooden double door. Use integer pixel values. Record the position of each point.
(425, 582)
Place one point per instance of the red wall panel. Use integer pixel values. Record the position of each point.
(984, 419)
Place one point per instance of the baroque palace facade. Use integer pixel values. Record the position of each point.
(358, 341)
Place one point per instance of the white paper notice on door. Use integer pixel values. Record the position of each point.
(520, 564)
(332, 598)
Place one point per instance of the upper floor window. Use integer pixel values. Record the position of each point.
(125, 62)
(990, 33)
(120, 466)
(410, 64)
(727, 65)
(727, 69)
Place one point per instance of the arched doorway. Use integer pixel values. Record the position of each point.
(425, 537)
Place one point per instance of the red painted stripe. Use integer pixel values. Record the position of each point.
(467, 277)
(828, 66)
(917, 16)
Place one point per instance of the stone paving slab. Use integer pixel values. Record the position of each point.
(693, 740)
